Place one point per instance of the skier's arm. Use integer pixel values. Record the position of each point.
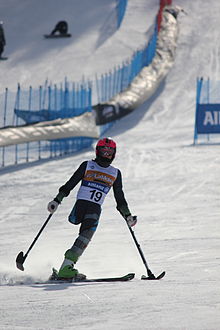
(67, 187)
(122, 205)
(71, 183)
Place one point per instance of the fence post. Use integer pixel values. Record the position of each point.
(49, 103)
(4, 124)
(121, 8)
(66, 95)
(5, 106)
(16, 123)
(208, 100)
(29, 109)
(198, 94)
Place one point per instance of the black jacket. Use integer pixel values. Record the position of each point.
(78, 176)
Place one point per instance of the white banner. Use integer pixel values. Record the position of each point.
(83, 125)
(147, 81)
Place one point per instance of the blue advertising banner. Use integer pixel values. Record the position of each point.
(208, 119)
(32, 117)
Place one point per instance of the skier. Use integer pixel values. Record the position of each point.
(97, 177)
(2, 39)
(61, 27)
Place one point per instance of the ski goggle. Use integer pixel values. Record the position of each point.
(106, 152)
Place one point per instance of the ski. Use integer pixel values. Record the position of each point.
(124, 278)
(55, 36)
(159, 277)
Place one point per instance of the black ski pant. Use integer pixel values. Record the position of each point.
(86, 214)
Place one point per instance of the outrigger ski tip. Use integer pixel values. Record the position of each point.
(153, 277)
(20, 260)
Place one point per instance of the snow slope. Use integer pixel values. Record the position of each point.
(171, 185)
(93, 26)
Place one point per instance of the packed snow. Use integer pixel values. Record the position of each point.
(170, 184)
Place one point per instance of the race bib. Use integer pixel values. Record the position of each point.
(97, 182)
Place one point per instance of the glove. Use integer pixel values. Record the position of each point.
(131, 220)
(52, 206)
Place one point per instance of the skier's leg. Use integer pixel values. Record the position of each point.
(87, 230)
(87, 214)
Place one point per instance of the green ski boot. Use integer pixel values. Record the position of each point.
(67, 270)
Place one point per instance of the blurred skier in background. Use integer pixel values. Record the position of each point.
(61, 27)
(97, 177)
(2, 39)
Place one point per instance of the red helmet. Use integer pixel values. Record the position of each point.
(106, 150)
